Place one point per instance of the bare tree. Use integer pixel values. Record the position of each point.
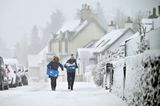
(119, 19)
(137, 26)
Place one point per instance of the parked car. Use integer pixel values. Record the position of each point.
(25, 77)
(18, 75)
(3, 76)
(23, 74)
(11, 75)
(14, 65)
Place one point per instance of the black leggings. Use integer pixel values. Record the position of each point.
(53, 83)
(70, 79)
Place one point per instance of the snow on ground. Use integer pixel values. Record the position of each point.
(39, 94)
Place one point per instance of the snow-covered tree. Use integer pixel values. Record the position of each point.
(35, 45)
(4, 51)
(120, 19)
(143, 45)
(137, 21)
(138, 27)
(100, 15)
(78, 14)
(22, 50)
(56, 21)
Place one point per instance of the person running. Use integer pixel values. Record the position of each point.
(52, 71)
(71, 66)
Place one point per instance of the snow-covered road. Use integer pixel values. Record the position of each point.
(39, 94)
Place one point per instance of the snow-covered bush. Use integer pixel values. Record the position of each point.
(115, 54)
(98, 74)
(143, 45)
(99, 71)
(142, 84)
(88, 73)
(149, 95)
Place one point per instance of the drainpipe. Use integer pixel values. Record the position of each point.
(124, 69)
(124, 79)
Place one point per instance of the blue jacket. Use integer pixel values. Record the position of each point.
(54, 65)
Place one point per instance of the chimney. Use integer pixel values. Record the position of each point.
(88, 7)
(159, 10)
(129, 20)
(154, 11)
(154, 15)
(129, 23)
(111, 26)
(83, 6)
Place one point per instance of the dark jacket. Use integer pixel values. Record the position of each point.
(71, 61)
(54, 65)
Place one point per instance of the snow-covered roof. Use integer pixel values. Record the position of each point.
(146, 20)
(85, 52)
(90, 44)
(109, 38)
(69, 26)
(133, 36)
(11, 61)
(35, 60)
(157, 23)
(151, 23)
(81, 26)
(43, 52)
(74, 26)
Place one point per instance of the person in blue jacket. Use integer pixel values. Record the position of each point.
(71, 66)
(53, 65)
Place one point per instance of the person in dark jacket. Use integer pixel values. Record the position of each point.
(54, 64)
(71, 74)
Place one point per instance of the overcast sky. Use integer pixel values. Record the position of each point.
(17, 17)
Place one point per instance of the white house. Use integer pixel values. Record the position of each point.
(102, 50)
(37, 65)
(152, 22)
(76, 34)
(149, 38)
(108, 45)
(84, 56)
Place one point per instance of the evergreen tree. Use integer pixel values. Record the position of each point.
(35, 45)
(56, 21)
(100, 15)
(4, 51)
(78, 14)
(22, 50)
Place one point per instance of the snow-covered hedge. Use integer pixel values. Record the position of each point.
(149, 87)
(142, 85)
(98, 74)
